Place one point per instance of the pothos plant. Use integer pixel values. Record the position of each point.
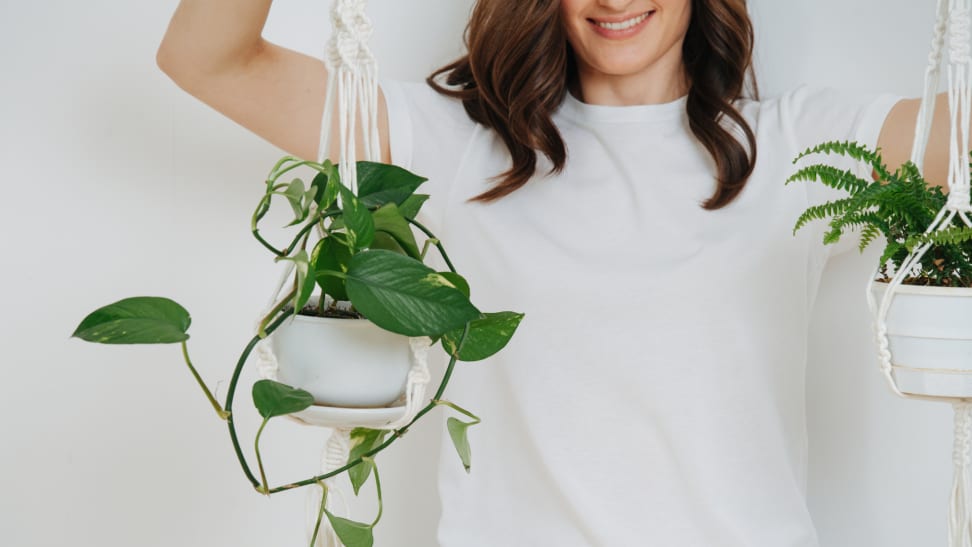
(899, 205)
(367, 257)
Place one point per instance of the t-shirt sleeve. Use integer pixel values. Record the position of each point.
(428, 135)
(813, 115)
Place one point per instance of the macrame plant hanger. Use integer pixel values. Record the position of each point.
(352, 93)
(951, 36)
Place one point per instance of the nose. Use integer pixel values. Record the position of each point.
(615, 5)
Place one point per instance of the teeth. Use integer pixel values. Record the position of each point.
(624, 24)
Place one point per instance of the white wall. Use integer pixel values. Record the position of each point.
(118, 184)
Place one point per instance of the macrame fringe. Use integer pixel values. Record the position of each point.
(959, 518)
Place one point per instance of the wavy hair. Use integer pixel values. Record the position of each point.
(519, 66)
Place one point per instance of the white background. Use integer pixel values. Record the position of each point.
(117, 183)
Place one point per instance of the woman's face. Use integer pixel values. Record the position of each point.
(626, 37)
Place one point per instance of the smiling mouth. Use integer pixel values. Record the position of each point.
(622, 25)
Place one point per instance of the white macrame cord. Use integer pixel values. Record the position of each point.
(353, 85)
(951, 37)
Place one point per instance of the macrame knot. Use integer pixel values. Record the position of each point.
(935, 56)
(958, 198)
(351, 31)
(962, 450)
(958, 36)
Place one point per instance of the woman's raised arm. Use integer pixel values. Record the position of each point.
(214, 50)
(898, 135)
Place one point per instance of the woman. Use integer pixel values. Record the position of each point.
(595, 165)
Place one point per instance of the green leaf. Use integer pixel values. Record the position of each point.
(351, 533)
(380, 183)
(306, 277)
(332, 253)
(295, 194)
(402, 295)
(457, 280)
(457, 432)
(363, 440)
(275, 399)
(411, 206)
(136, 320)
(387, 242)
(389, 220)
(357, 218)
(487, 335)
(331, 189)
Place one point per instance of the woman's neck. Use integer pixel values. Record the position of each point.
(657, 85)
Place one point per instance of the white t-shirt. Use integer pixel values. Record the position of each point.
(653, 394)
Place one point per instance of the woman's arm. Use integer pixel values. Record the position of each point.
(213, 49)
(898, 134)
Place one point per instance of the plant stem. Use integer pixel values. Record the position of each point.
(438, 244)
(231, 393)
(264, 487)
(374, 467)
(261, 332)
(223, 415)
(457, 408)
(320, 514)
(318, 217)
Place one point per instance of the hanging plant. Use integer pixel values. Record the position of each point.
(367, 267)
(898, 205)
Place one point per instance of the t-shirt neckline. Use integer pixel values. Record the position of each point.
(575, 109)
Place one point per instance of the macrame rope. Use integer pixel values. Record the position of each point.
(951, 34)
(959, 532)
(351, 95)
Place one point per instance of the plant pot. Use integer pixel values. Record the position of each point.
(342, 362)
(930, 338)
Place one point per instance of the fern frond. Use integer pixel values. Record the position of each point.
(824, 210)
(868, 235)
(890, 250)
(953, 235)
(850, 149)
(831, 176)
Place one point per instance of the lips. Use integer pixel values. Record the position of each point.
(621, 24)
(621, 27)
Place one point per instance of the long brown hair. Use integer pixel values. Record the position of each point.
(519, 65)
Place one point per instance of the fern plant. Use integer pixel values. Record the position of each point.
(898, 205)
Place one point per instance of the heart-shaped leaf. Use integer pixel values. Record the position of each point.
(306, 277)
(136, 320)
(487, 335)
(332, 253)
(402, 295)
(389, 220)
(381, 183)
(357, 219)
(457, 280)
(351, 533)
(295, 196)
(275, 399)
(457, 432)
(387, 242)
(363, 440)
(411, 206)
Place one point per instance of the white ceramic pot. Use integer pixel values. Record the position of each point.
(342, 362)
(930, 338)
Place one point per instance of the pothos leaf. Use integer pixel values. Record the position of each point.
(273, 398)
(457, 432)
(351, 533)
(136, 320)
(363, 440)
(306, 277)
